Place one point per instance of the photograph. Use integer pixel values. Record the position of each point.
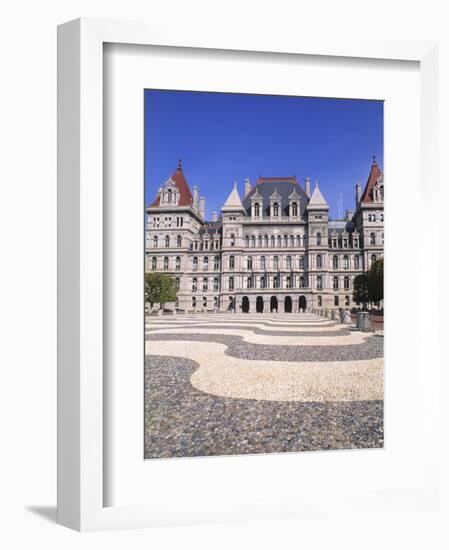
(263, 281)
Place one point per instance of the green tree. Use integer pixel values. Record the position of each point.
(376, 281)
(159, 288)
(360, 293)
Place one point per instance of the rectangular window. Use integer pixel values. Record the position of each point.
(215, 283)
(231, 283)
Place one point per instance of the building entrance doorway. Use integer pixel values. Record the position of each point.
(274, 304)
(259, 304)
(287, 304)
(302, 304)
(245, 304)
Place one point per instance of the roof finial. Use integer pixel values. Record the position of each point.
(235, 184)
(374, 159)
(179, 165)
(316, 182)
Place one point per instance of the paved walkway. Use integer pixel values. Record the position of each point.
(242, 383)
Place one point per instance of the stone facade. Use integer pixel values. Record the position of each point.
(275, 250)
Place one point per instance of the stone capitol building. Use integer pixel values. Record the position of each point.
(272, 250)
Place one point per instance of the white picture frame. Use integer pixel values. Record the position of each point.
(81, 407)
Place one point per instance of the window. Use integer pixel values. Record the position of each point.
(335, 283)
(204, 301)
(165, 262)
(288, 263)
(336, 301)
(285, 240)
(231, 283)
(279, 241)
(155, 242)
(318, 239)
(319, 282)
(195, 263)
(288, 282)
(194, 284)
(215, 283)
(177, 283)
(179, 221)
(193, 301)
(259, 241)
(294, 209)
(275, 209)
(347, 300)
(265, 240)
(319, 261)
(345, 242)
(167, 241)
(381, 217)
(257, 210)
(298, 240)
(178, 263)
(195, 245)
(301, 262)
(215, 301)
(247, 241)
(373, 258)
(205, 283)
(334, 262)
(276, 281)
(205, 263)
(320, 301)
(301, 282)
(372, 238)
(178, 241)
(216, 263)
(272, 240)
(206, 245)
(356, 262)
(346, 283)
(345, 262)
(263, 282)
(249, 262)
(253, 241)
(232, 241)
(231, 262)
(275, 262)
(249, 282)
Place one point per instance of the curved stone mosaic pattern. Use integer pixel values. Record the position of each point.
(327, 380)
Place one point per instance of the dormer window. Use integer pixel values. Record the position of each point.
(295, 209)
(256, 210)
(275, 209)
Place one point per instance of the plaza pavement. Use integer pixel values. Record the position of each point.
(239, 383)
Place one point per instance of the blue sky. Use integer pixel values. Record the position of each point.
(225, 137)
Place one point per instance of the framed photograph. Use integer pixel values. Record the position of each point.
(229, 348)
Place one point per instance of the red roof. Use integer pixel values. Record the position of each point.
(373, 177)
(185, 196)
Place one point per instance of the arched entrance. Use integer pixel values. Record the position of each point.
(259, 304)
(287, 304)
(302, 303)
(245, 304)
(273, 304)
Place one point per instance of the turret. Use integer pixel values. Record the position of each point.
(247, 187)
(202, 207)
(214, 216)
(358, 194)
(308, 186)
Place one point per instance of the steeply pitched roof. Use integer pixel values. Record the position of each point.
(233, 201)
(284, 186)
(185, 195)
(374, 175)
(317, 200)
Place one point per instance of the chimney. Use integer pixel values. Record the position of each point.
(202, 207)
(247, 187)
(195, 196)
(308, 186)
(214, 216)
(358, 194)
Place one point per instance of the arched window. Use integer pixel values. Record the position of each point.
(298, 240)
(276, 281)
(319, 282)
(318, 239)
(319, 261)
(231, 283)
(165, 262)
(334, 262)
(259, 241)
(262, 262)
(169, 195)
(178, 263)
(372, 238)
(195, 263)
(288, 263)
(272, 239)
(216, 263)
(265, 240)
(335, 283)
(346, 283)
(279, 241)
(301, 282)
(249, 282)
(205, 263)
(336, 301)
(345, 262)
(231, 262)
(154, 263)
(167, 241)
(288, 281)
(294, 209)
(178, 241)
(263, 283)
(249, 262)
(292, 241)
(275, 262)
(285, 240)
(275, 209)
(253, 241)
(257, 210)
